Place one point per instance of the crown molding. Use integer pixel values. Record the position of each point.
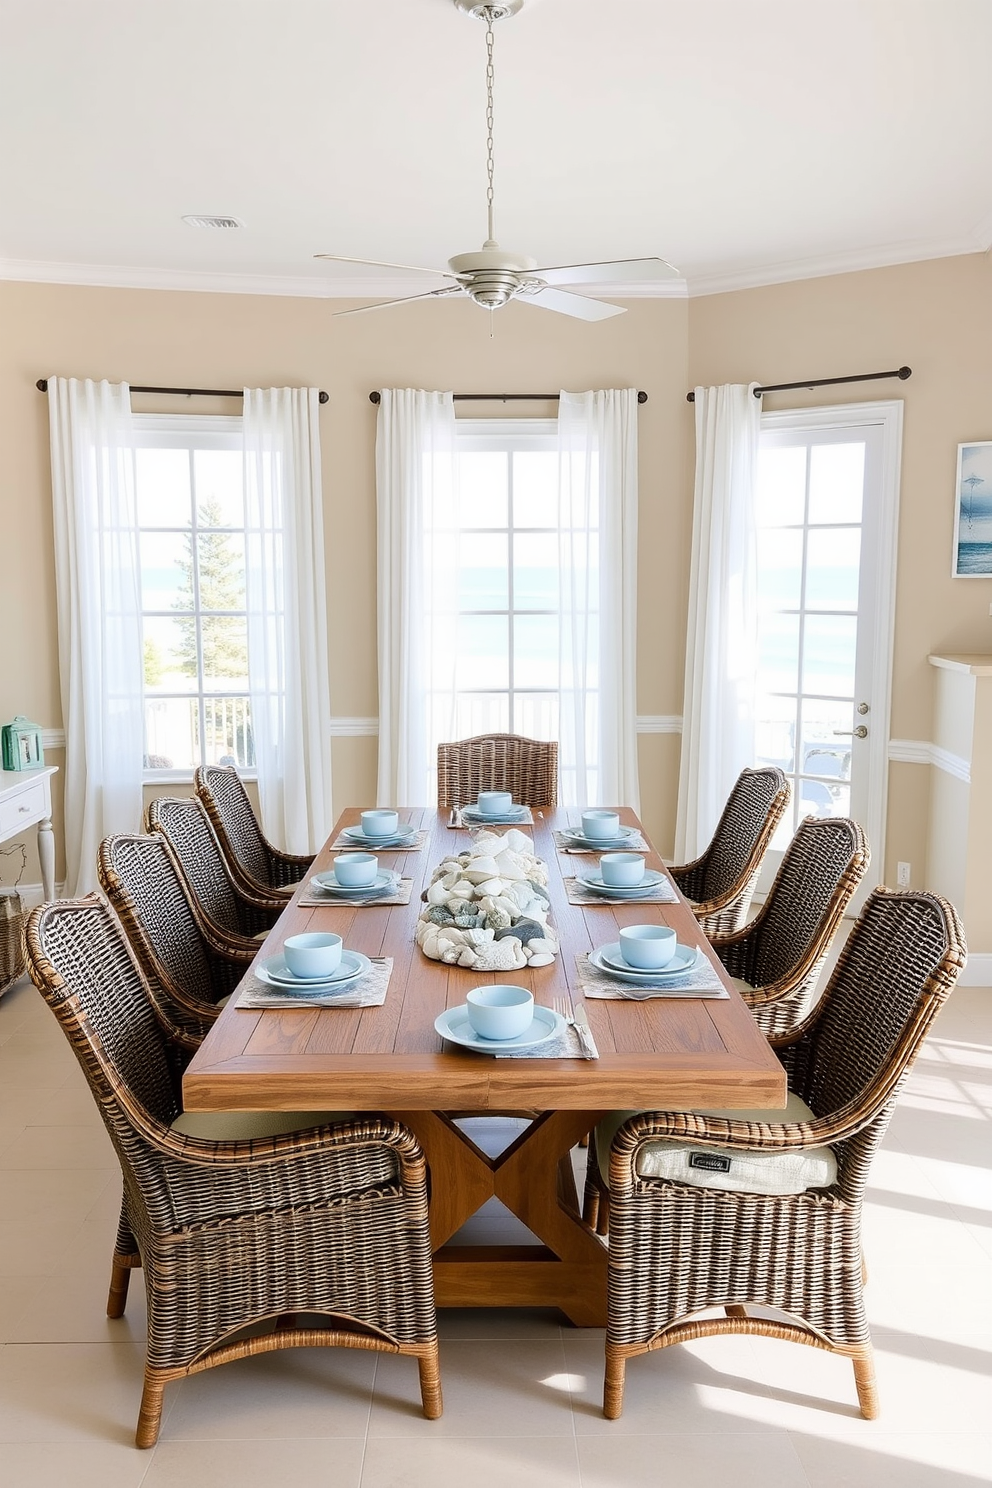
(116, 276)
(789, 272)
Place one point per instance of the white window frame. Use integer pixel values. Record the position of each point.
(186, 431)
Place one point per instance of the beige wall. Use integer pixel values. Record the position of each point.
(228, 340)
(936, 316)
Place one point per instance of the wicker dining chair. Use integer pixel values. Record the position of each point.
(776, 959)
(527, 767)
(720, 882)
(227, 907)
(322, 1220)
(189, 973)
(256, 866)
(677, 1249)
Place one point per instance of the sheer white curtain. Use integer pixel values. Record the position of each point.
(99, 616)
(417, 609)
(287, 615)
(718, 722)
(597, 435)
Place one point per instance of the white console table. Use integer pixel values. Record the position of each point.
(26, 798)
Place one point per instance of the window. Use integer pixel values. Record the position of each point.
(500, 536)
(189, 485)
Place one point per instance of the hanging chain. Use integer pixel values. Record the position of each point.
(490, 80)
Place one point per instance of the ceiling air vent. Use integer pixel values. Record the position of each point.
(213, 221)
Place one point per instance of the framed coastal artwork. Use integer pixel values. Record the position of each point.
(973, 512)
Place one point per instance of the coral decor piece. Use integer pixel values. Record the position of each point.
(488, 908)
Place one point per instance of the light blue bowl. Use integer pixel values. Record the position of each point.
(313, 954)
(380, 823)
(500, 1012)
(600, 823)
(355, 870)
(622, 870)
(494, 803)
(647, 947)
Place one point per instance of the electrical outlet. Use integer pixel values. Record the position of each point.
(902, 875)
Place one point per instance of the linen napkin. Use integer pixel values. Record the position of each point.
(701, 980)
(634, 843)
(317, 897)
(342, 843)
(662, 893)
(368, 990)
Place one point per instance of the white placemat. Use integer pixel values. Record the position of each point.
(457, 822)
(316, 897)
(564, 1045)
(634, 843)
(700, 981)
(577, 893)
(342, 843)
(368, 990)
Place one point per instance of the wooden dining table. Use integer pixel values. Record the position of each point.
(661, 1054)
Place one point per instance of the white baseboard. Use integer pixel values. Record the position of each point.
(978, 972)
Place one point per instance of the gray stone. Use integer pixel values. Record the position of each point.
(524, 930)
(440, 914)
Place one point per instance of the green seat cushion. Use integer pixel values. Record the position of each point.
(714, 1167)
(244, 1126)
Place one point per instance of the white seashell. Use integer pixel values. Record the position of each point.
(450, 954)
(501, 955)
(544, 945)
(437, 894)
(462, 889)
(542, 960)
(468, 957)
(510, 867)
(478, 937)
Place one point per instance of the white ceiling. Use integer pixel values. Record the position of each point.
(747, 141)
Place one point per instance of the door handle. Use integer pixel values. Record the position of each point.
(859, 733)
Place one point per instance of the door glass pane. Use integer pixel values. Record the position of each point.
(836, 482)
(775, 731)
(778, 654)
(826, 736)
(481, 569)
(820, 798)
(535, 488)
(780, 568)
(833, 564)
(535, 571)
(162, 488)
(482, 497)
(781, 488)
(829, 654)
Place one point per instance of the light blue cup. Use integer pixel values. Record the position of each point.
(500, 1012)
(599, 822)
(494, 803)
(355, 870)
(313, 954)
(622, 870)
(380, 823)
(647, 947)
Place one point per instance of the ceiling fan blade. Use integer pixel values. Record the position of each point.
(432, 294)
(609, 273)
(579, 306)
(377, 263)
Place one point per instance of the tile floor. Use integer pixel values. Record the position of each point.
(522, 1391)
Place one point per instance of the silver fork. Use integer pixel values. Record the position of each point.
(563, 1008)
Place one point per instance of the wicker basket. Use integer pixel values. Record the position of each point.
(12, 956)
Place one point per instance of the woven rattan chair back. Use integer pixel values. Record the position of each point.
(140, 879)
(220, 789)
(184, 824)
(720, 882)
(328, 1220)
(527, 767)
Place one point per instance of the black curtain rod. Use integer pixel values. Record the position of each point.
(784, 387)
(322, 397)
(376, 397)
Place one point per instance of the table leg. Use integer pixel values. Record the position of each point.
(46, 856)
(566, 1270)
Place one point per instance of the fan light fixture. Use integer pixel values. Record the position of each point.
(492, 276)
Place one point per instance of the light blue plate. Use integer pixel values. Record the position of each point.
(277, 974)
(383, 882)
(497, 819)
(454, 1026)
(605, 844)
(608, 958)
(404, 833)
(652, 880)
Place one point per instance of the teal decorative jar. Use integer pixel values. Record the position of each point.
(22, 745)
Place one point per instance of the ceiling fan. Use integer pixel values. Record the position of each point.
(493, 276)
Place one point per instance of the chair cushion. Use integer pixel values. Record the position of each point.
(244, 1126)
(714, 1167)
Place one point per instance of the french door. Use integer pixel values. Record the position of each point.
(827, 501)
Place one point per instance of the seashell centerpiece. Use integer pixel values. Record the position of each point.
(488, 908)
